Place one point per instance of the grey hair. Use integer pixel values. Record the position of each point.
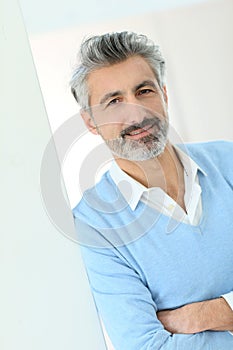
(108, 49)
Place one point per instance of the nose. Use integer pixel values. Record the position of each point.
(132, 113)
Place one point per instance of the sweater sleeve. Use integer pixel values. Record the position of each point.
(128, 310)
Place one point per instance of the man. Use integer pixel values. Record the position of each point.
(157, 230)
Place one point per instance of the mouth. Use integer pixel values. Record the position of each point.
(137, 134)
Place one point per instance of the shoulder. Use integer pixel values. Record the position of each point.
(210, 146)
(216, 152)
(98, 197)
(94, 216)
(99, 203)
(91, 212)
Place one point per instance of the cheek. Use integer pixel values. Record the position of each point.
(159, 107)
(110, 131)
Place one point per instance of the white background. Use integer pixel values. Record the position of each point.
(45, 300)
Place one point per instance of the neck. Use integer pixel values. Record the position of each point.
(164, 171)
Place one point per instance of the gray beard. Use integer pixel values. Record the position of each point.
(147, 147)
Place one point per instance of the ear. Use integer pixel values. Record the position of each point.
(89, 122)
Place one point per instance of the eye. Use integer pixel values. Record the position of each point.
(145, 91)
(114, 101)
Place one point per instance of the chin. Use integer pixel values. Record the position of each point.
(139, 151)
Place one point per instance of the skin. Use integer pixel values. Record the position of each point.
(215, 315)
(133, 82)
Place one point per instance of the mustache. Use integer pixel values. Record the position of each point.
(146, 121)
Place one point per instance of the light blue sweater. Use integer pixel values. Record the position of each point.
(141, 261)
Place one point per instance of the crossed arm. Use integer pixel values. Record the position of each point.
(215, 315)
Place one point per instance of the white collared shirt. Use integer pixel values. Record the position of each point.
(159, 199)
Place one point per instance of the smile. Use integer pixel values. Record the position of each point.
(139, 133)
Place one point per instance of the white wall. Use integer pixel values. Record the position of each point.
(45, 299)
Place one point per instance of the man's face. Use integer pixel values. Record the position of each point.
(128, 109)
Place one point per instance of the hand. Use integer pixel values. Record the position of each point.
(181, 320)
(213, 314)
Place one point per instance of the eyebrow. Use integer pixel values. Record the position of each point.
(119, 92)
(145, 83)
(109, 95)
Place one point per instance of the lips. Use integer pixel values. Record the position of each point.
(140, 130)
(135, 132)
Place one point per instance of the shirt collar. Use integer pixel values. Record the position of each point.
(190, 166)
(132, 190)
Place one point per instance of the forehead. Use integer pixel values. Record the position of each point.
(122, 76)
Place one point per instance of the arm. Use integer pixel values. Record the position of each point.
(215, 314)
(128, 310)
